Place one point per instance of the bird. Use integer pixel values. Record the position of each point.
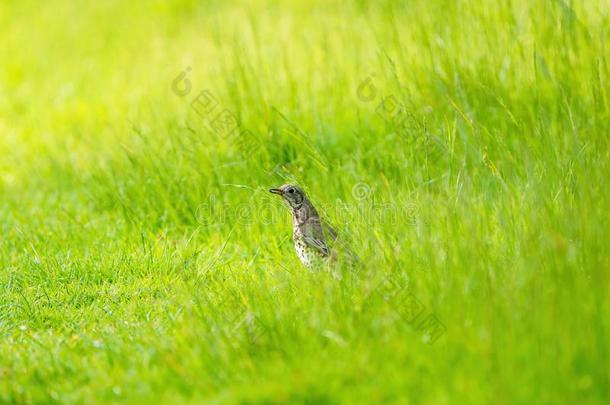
(311, 236)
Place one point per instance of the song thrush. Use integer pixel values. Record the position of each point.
(309, 233)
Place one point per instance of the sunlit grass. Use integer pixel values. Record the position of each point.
(142, 257)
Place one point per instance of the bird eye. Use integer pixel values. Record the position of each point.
(291, 190)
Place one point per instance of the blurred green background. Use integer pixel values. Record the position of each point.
(461, 147)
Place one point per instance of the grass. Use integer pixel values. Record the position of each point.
(142, 258)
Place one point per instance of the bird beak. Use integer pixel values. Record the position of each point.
(276, 191)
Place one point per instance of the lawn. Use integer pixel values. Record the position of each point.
(461, 148)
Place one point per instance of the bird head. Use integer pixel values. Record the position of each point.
(292, 194)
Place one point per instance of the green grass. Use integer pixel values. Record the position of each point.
(141, 257)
